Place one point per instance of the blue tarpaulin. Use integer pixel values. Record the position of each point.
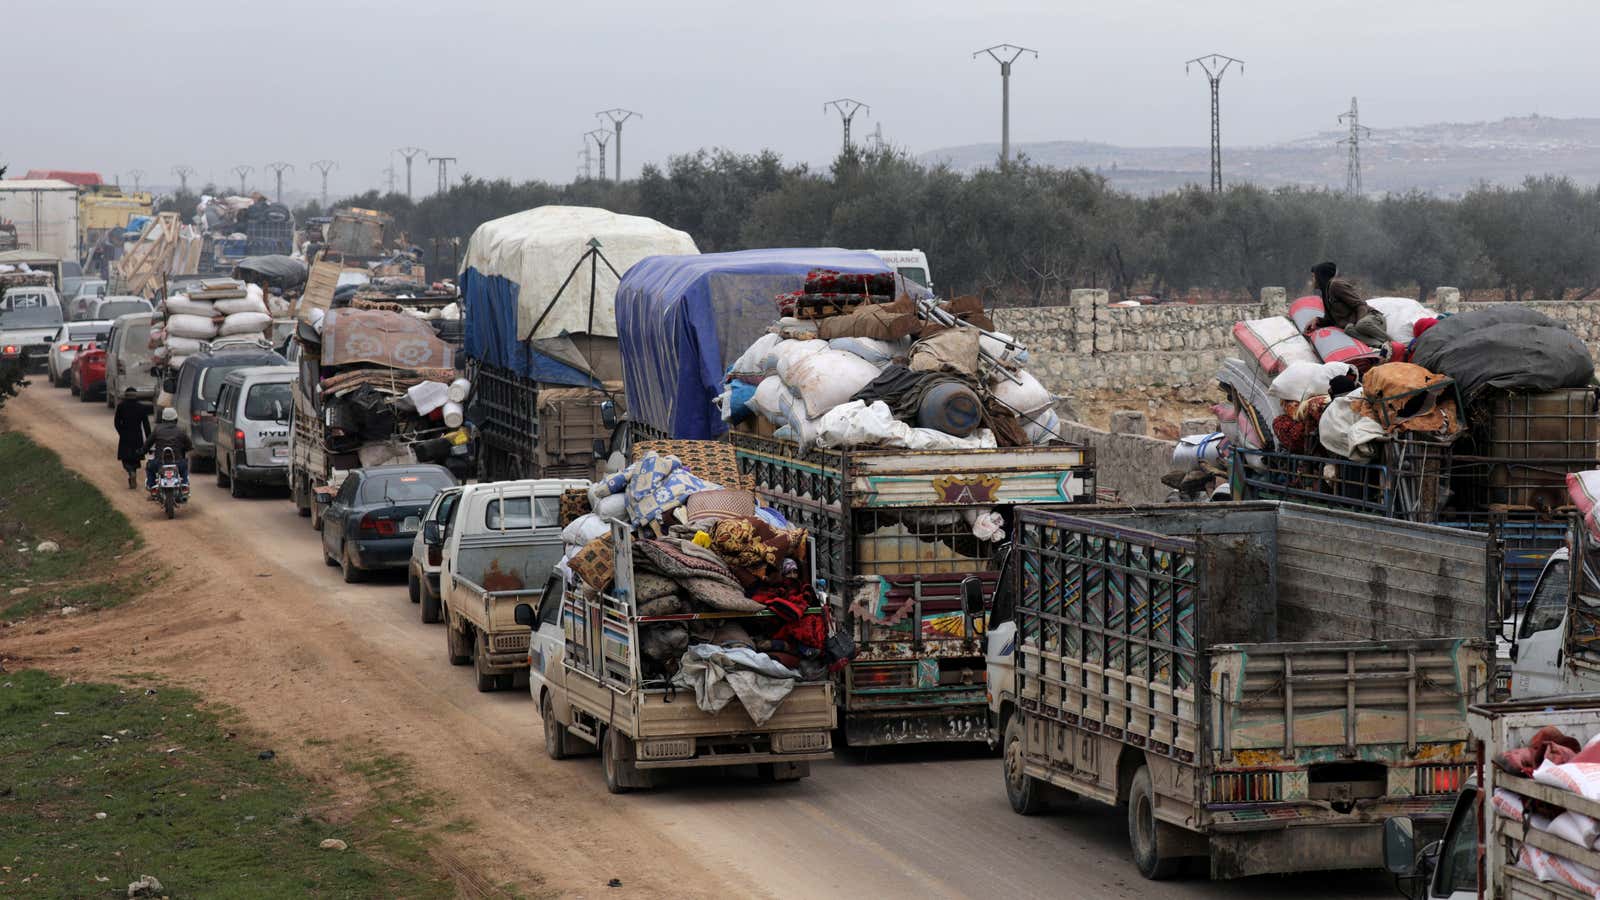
(489, 308)
(682, 320)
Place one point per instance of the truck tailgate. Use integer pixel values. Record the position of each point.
(809, 707)
(1390, 701)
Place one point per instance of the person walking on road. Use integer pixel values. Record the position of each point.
(133, 427)
(166, 435)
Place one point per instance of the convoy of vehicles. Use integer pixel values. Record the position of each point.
(252, 427)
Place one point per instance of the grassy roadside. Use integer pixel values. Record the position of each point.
(43, 500)
(101, 784)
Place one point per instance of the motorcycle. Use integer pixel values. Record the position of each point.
(170, 489)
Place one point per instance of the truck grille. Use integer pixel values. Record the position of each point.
(682, 748)
(507, 643)
(800, 741)
(1246, 787)
(1446, 779)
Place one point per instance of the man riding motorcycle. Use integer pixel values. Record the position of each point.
(166, 435)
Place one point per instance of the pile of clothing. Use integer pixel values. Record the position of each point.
(699, 547)
(850, 362)
(1560, 761)
(188, 323)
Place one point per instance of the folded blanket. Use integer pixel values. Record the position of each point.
(699, 571)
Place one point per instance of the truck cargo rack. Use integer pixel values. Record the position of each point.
(1411, 481)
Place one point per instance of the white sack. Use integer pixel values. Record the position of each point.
(611, 506)
(180, 304)
(200, 328)
(995, 347)
(241, 305)
(787, 353)
(1301, 380)
(757, 359)
(460, 390)
(879, 353)
(428, 396)
(1027, 397)
(858, 424)
(182, 346)
(1400, 315)
(584, 529)
(1043, 426)
(1346, 432)
(245, 323)
(828, 379)
(770, 399)
(278, 307)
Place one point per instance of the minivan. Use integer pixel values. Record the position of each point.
(128, 359)
(252, 446)
(199, 382)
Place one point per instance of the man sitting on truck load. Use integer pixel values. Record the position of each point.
(1345, 308)
(165, 435)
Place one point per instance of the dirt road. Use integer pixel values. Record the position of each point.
(253, 618)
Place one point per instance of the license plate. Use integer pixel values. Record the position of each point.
(280, 452)
(411, 524)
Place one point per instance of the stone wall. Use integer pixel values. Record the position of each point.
(1130, 464)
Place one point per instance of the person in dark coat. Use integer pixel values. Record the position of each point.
(1345, 309)
(166, 436)
(133, 427)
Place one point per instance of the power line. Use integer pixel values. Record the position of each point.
(243, 172)
(409, 153)
(183, 173)
(1005, 55)
(1215, 65)
(324, 166)
(617, 115)
(1352, 174)
(847, 111)
(444, 177)
(600, 136)
(278, 169)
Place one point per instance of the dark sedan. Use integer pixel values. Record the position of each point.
(371, 522)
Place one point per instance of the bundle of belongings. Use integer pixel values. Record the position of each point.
(220, 308)
(386, 387)
(1562, 762)
(851, 363)
(703, 548)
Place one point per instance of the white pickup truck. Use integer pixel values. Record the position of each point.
(505, 538)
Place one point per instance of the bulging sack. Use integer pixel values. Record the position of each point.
(200, 328)
(786, 353)
(181, 305)
(182, 346)
(1027, 397)
(245, 323)
(828, 379)
(1274, 342)
(240, 305)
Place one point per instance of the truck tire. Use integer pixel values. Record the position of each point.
(300, 495)
(480, 665)
(457, 647)
(1026, 793)
(555, 733)
(616, 762)
(430, 607)
(1143, 833)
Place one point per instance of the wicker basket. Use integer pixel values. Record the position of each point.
(711, 460)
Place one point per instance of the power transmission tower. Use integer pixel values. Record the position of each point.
(390, 174)
(1215, 65)
(588, 160)
(243, 172)
(877, 136)
(409, 153)
(277, 172)
(847, 111)
(183, 173)
(601, 136)
(136, 174)
(1005, 55)
(1352, 174)
(444, 177)
(324, 166)
(617, 116)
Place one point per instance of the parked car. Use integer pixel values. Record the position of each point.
(128, 359)
(371, 523)
(252, 445)
(69, 340)
(198, 384)
(114, 306)
(26, 332)
(88, 375)
(78, 302)
(422, 578)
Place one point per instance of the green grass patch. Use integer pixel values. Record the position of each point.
(186, 801)
(42, 500)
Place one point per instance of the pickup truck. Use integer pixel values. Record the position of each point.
(1261, 684)
(504, 540)
(1497, 851)
(1555, 649)
(586, 675)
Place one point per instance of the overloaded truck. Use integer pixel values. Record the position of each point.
(1534, 840)
(538, 296)
(1259, 684)
(45, 215)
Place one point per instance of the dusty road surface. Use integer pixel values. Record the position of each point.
(252, 617)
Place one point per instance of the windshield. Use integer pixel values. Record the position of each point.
(404, 487)
(30, 317)
(267, 402)
(88, 332)
(920, 276)
(113, 308)
(1549, 604)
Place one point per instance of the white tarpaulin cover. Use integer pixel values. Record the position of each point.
(538, 250)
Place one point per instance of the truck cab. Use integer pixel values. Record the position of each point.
(1555, 649)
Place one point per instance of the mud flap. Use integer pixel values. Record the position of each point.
(881, 729)
(1305, 849)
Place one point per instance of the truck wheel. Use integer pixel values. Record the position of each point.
(555, 733)
(616, 762)
(1143, 835)
(301, 497)
(480, 664)
(457, 649)
(430, 607)
(1025, 792)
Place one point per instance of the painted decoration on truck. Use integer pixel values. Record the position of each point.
(966, 488)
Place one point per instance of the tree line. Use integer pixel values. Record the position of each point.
(1027, 234)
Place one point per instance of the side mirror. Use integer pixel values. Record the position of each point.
(322, 498)
(432, 535)
(608, 413)
(972, 595)
(523, 614)
(1399, 846)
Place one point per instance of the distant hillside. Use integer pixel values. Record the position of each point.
(1445, 159)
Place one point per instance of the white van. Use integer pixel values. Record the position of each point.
(128, 359)
(252, 440)
(913, 264)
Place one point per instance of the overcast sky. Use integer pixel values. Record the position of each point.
(508, 87)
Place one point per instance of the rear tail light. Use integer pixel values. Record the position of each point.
(11, 349)
(195, 416)
(238, 436)
(379, 527)
(68, 348)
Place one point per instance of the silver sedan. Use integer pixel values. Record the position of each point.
(72, 337)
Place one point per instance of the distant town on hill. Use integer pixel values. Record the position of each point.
(1443, 159)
